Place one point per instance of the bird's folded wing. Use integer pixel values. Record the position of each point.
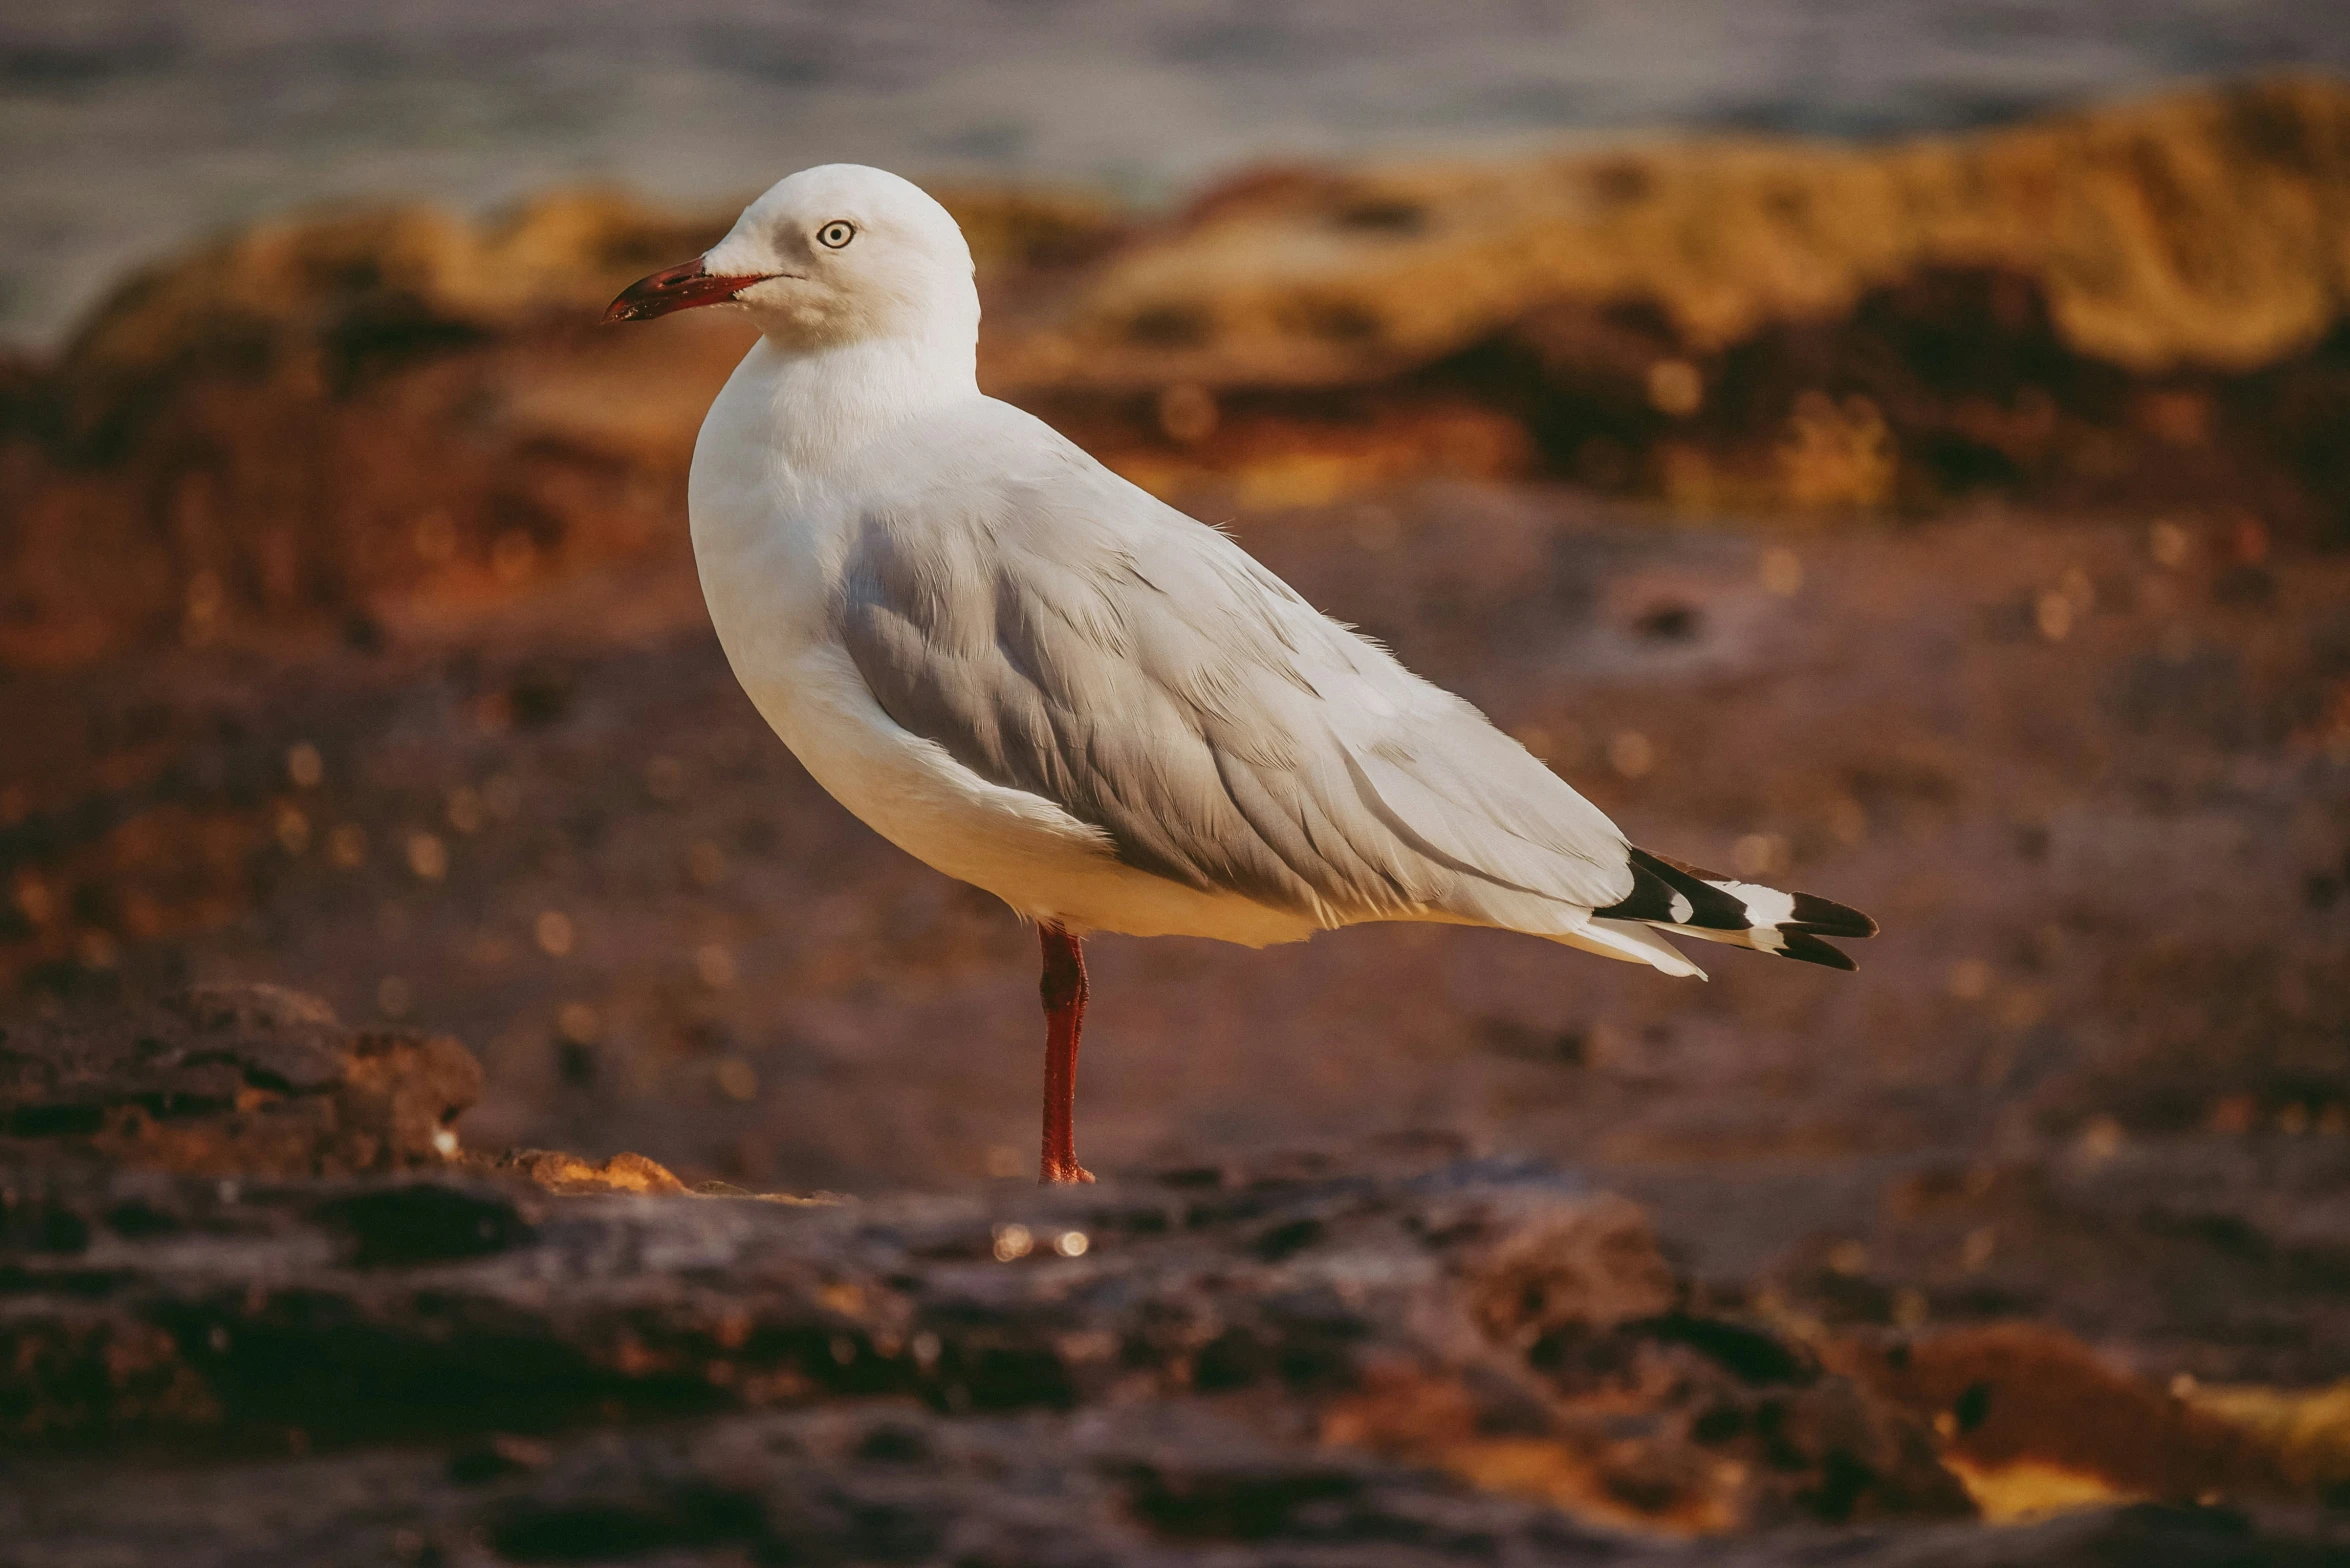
(1065, 634)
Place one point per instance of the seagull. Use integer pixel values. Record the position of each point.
(1040, 679)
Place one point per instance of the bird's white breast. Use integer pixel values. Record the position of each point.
(771, 535)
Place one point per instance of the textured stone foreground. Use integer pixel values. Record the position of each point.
(401, 1354)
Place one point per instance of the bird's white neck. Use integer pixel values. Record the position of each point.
(830, 402)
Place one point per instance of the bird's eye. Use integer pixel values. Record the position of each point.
(836, 234)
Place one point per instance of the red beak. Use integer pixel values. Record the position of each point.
(681, 287)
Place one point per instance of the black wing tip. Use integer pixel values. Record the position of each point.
(1709, 905)
(1808, 912)
(1661, 864)
(1826, 917)
(1658, 879)
(1805, 948)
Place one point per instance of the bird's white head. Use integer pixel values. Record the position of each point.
(830, 256)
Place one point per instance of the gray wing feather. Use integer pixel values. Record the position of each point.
(1063, 633)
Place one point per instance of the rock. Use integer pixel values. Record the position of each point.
(1407, 1312)
(1328, 276)
(1639, 1410)
(239, 1081)
(2128, 299)
(1567, 1266)
(2021, 1404)
(1405, 1356)
(877, 1482)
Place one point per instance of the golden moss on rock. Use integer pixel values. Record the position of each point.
(2209, 228)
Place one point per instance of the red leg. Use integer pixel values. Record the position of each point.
(1063, 989)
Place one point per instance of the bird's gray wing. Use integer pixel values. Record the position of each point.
(1059, 631)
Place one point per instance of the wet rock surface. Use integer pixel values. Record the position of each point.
(1513, 1303)
(1395, 1355)
(876, 1484)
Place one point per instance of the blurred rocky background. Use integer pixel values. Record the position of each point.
(1949, 517)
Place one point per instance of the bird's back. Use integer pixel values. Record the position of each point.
(1060, 632)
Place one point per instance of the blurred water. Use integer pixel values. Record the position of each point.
(129, 125)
